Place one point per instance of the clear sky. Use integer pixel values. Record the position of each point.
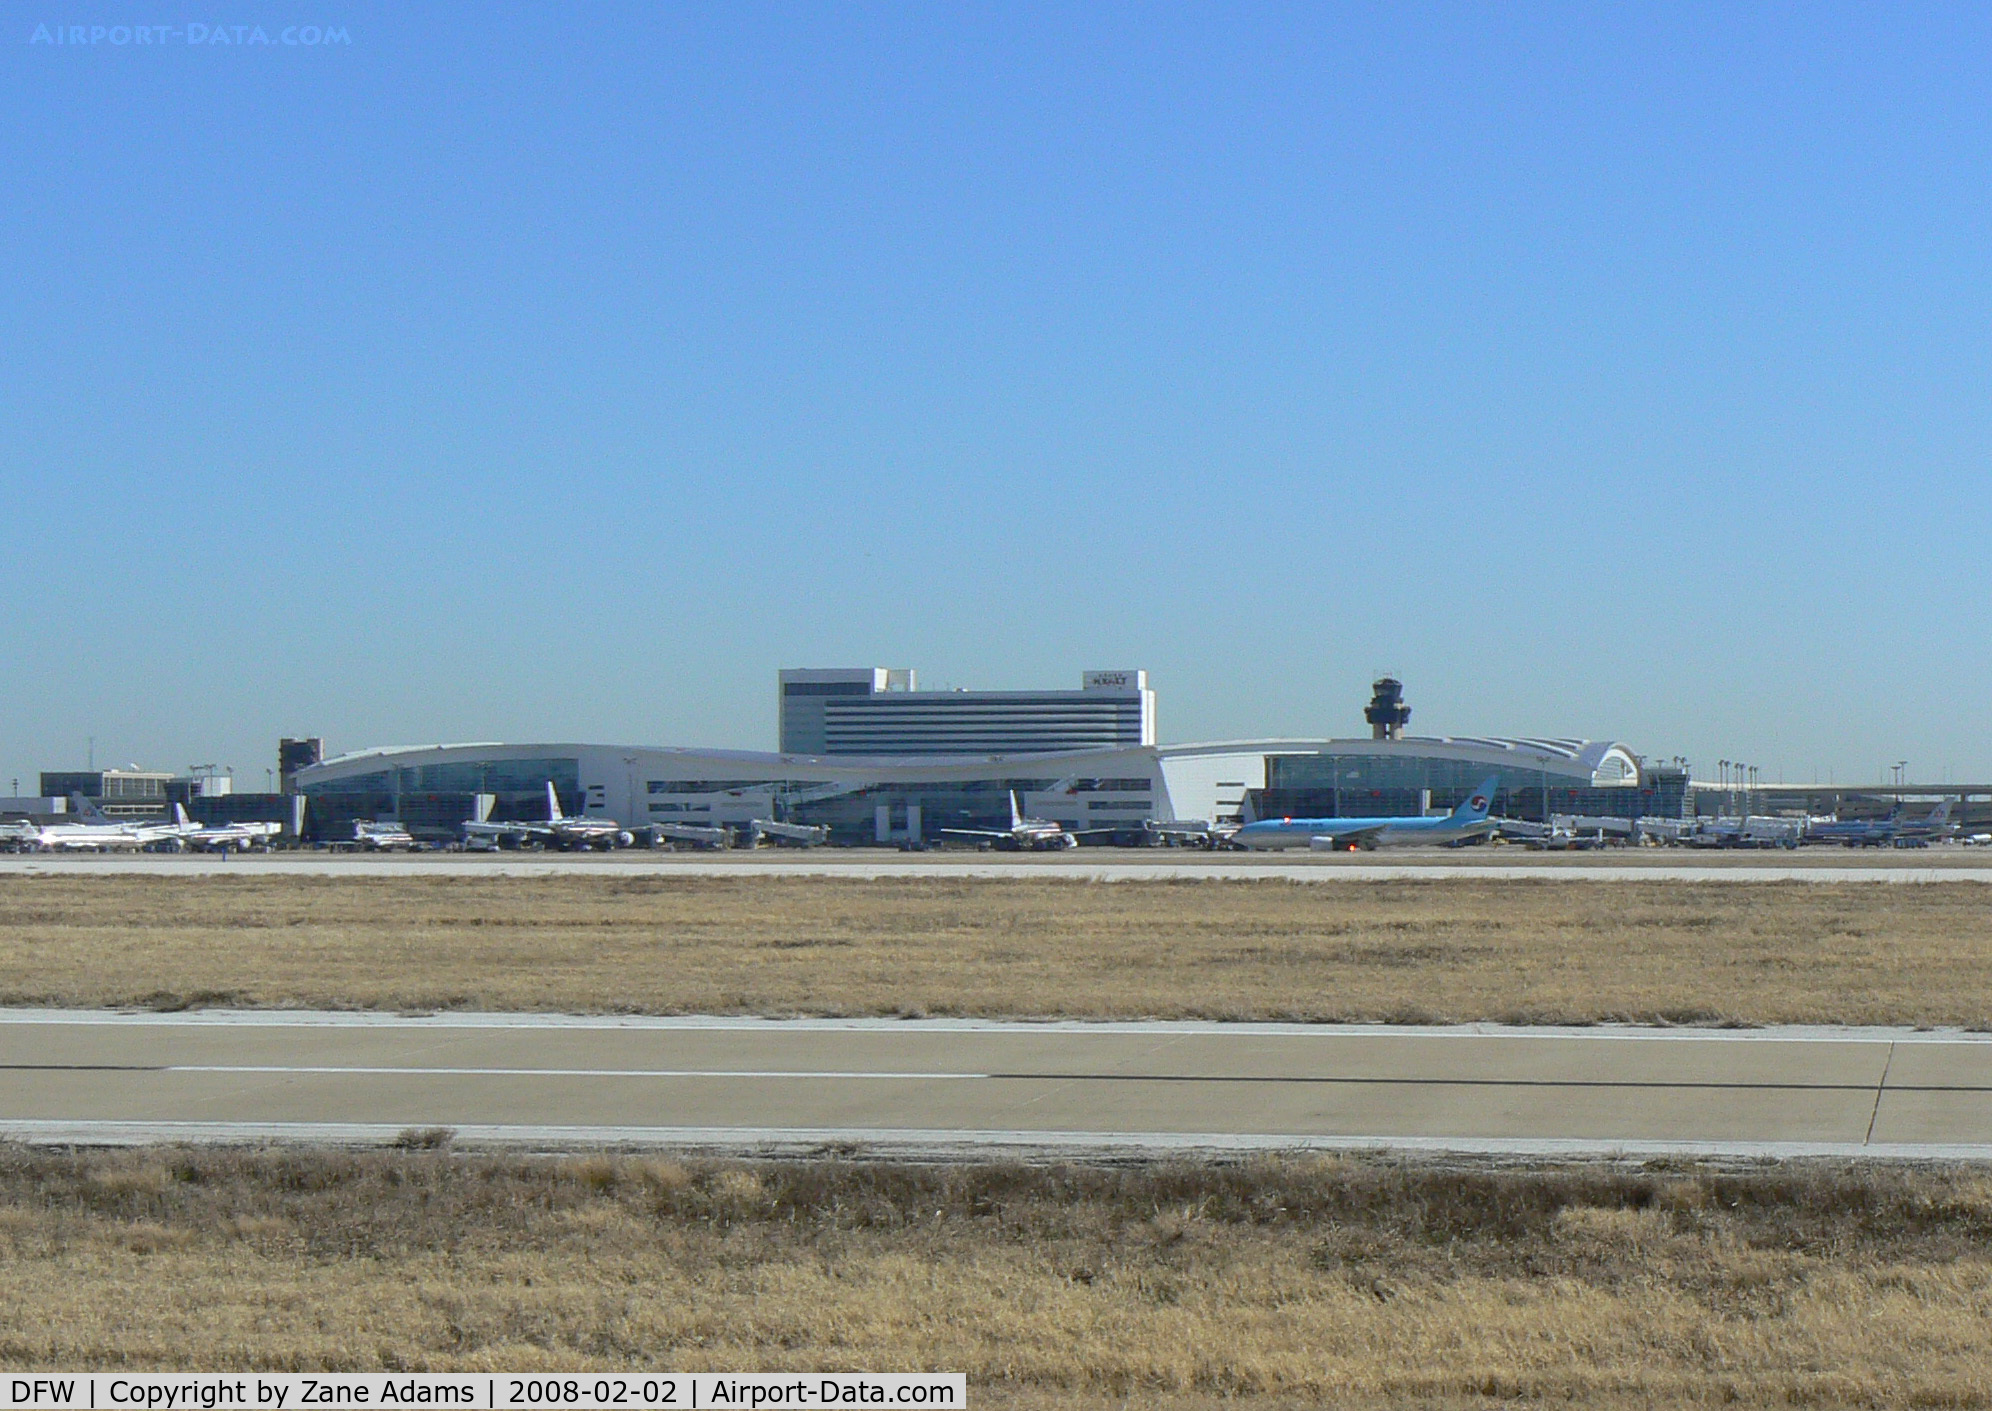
(561, 372)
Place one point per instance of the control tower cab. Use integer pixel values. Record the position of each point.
(1386, 712)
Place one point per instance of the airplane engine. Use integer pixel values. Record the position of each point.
(1065, 841)
(625, 840)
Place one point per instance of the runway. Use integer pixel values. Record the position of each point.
(972, 1089)
(1085, 864)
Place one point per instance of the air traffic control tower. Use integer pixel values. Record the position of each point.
(1386, 713)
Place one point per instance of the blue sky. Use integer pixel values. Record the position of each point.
(542, 372)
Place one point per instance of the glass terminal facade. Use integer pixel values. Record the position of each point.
(439, 797)
(1403, 780)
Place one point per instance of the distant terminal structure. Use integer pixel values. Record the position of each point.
(880, 712)
(872, 759)
(120, 793)
(868, 757)
(205, 791)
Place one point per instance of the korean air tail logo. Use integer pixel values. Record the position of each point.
(1477, 802)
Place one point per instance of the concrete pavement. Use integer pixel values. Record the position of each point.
(1084, 864)
(966, 1088)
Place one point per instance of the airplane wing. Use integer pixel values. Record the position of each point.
(473, 829)
(1347, 838)
(977, 832)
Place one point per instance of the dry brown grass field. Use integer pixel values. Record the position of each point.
(1321, 1282)
(1406, 950)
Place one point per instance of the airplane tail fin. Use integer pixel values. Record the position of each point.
(1940, 817)
(553, 813)
(1016, 814)
(180, 815)
(1474, 810)
(89, 812)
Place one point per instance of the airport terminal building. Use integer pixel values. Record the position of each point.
(874, 760)
(879, 711)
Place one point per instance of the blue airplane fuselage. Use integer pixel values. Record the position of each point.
(1469, 820)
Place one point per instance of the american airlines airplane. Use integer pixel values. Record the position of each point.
(98, 833)
(1024, 834)
(233, 837)
(1883, 832)
(1469, 820)
(558, 830)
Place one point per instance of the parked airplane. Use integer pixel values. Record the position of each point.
(1936, 827)
(99, 833)
(557, 830)
(1882, 832)
(1469, 820)
(232, 837)
(1025, 834)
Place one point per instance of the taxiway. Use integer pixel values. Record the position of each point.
(963, 1088)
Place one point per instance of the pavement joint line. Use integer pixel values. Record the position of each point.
(892, 1075)
(82, 1068)
(1880, 1088)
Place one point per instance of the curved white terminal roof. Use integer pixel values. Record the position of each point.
(1601, 763)
(1606, 763)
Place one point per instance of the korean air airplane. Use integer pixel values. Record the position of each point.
(1469, 820)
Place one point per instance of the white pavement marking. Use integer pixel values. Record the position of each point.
(356, 1070)
(861, 870)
